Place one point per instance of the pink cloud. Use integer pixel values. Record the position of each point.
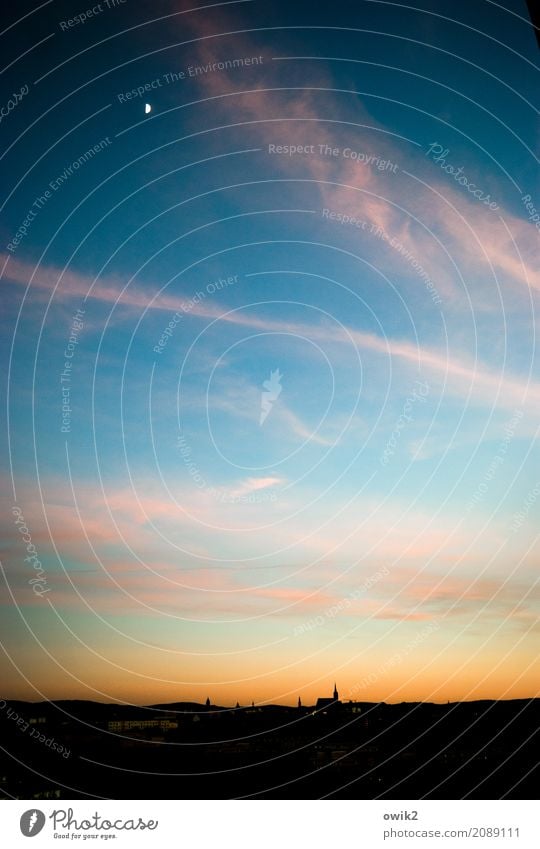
(254, 485)
(469, 231)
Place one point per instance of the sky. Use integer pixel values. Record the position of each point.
(270, 290)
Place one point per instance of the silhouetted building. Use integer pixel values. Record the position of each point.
(334, 702)
(166, 723)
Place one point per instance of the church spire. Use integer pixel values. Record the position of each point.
(336, 694)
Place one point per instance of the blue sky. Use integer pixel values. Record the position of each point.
(324, 214)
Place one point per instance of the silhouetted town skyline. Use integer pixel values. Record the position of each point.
(334, 748)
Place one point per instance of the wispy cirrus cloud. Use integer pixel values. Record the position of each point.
(461, 376)
(255, 484)
(429, 215)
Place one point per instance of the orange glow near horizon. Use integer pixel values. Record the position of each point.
(392, 680)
